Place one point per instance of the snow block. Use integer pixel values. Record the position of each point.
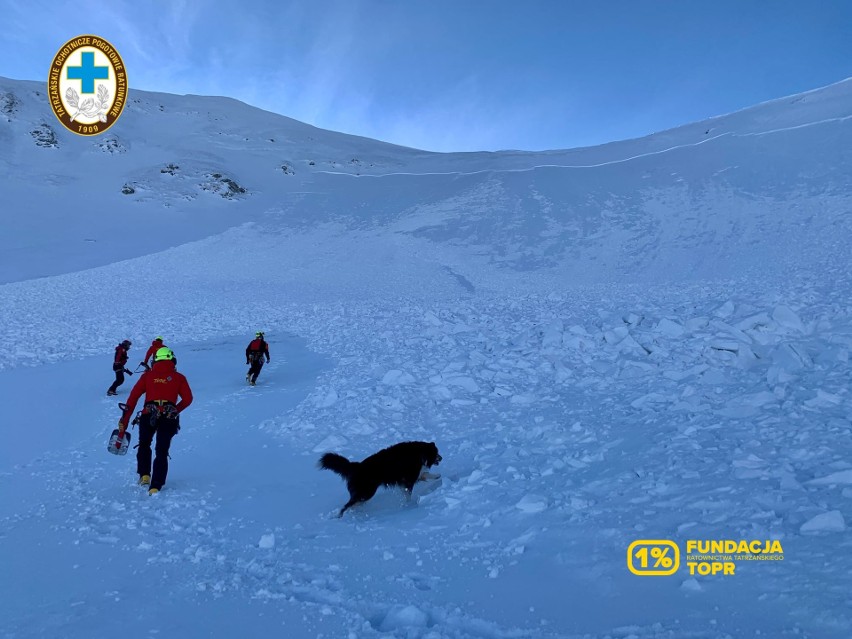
(726, 310)
(580, 343)
(669, 328)
(551, 336)
(401, 617)
(532, 504)
(695, 324)
(824, 400)
(467, 383)
(329, 399)
(787, 317)
(730, 331)
(776, 375)
(690, 372)
(431, 319)
(725, 345)
(397, 378)
(759, 399)
(628, 345)
(750, 467)
(441, 392)
(842, 477)
(632, 319)
(332, 442)
(832, 521)
(758, 321)
(651, 398)
(389, 403)
(790, 357)
(746, 358)
(735, 410)
(616, 335)
(713, 377)
(563, 373)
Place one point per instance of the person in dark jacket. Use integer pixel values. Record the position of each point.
(162, 387)
(118, 366)
(255, 352)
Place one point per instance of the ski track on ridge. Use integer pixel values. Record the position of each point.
(599, 164)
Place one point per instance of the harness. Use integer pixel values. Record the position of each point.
(160, 409)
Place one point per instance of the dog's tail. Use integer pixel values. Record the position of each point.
(337, 463)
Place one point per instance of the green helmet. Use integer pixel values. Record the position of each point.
(163, 354)
(259, 334)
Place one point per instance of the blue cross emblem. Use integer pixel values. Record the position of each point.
(88, 72)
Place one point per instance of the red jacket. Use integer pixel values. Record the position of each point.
(120, 358)
(162, 382)
(156, 345)
(258, 345)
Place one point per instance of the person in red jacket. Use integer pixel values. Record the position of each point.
(162, 387)
(255, 352)
(118, 366)
(156, 345)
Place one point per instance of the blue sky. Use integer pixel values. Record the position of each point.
(458, 75)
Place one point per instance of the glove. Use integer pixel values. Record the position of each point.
(247, 363)
(121, 428)
(128, 371)
(267, 360)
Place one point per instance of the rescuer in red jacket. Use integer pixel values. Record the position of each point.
(255, 352)
(162, 387)
(118, 366)
(156, 345)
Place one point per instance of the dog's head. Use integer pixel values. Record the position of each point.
(430, 455)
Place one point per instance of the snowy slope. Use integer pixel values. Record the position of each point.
(704, 198)
(648, 339)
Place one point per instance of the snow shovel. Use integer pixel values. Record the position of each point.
(118, 445)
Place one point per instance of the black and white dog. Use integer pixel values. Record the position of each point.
(398, 465)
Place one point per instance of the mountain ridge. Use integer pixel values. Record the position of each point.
(194, 167)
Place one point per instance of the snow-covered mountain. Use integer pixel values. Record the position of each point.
(647, 339)
(716, 198)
